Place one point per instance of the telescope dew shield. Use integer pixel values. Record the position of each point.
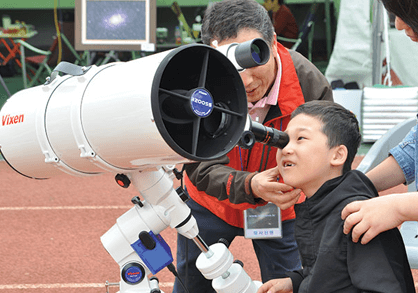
(197, 102)
(172, 107)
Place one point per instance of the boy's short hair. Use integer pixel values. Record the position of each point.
(338, 124)
(223, 20)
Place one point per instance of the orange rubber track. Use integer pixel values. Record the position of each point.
(50, 234)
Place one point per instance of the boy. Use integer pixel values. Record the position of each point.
(323, 140)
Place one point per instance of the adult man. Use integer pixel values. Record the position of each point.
(221, 189)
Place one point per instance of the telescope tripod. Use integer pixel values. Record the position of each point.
(136, 245)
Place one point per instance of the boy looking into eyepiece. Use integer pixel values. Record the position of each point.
(323, 140)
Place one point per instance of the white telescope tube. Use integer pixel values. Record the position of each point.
(187, 104)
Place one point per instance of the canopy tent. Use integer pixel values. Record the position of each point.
(351, 57)
(354, 49)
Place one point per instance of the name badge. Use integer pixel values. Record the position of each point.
(263, 222)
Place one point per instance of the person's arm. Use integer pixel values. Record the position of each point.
(381, 265)
(223, 182)
(284, 285)
(387, 174)
(380, 215)
(277, 286)
(264, 185)
(370, 217)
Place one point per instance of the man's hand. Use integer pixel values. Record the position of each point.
(277, 286)
(371, 217)
(265, 185)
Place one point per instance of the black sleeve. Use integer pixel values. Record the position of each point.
(297, 278)
(381, 265)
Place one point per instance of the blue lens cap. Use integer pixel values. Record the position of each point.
(202, 103)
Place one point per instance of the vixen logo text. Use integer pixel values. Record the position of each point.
(8, 120)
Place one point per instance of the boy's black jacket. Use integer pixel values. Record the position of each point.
(331, 261)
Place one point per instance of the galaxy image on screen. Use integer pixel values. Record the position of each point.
(115, 20)
(267, 218)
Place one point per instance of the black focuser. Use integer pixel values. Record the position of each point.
(265, 135)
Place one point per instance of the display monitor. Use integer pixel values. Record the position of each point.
(122, 25)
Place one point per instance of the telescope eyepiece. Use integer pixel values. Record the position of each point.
(269, 135)
(252, 53)
(248, 54)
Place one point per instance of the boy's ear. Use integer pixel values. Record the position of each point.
(339, 156)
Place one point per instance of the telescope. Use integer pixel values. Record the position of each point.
(137, 119)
